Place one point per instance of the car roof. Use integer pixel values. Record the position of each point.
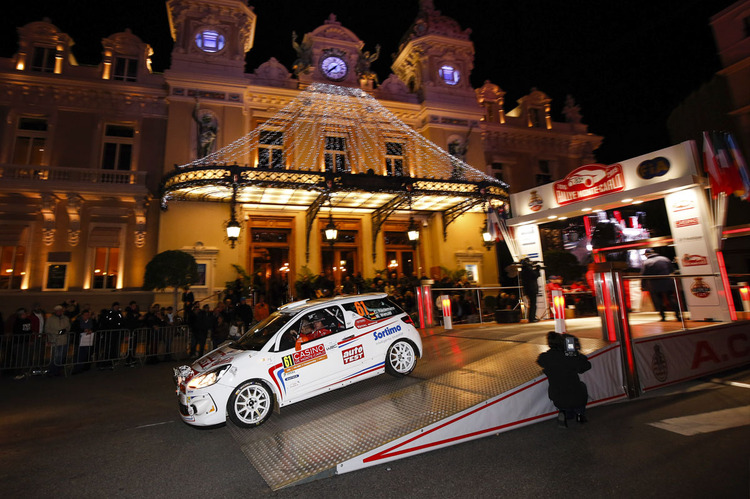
(298, 306)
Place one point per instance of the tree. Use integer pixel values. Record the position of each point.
(171, 268)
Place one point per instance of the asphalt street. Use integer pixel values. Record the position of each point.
(118, 434)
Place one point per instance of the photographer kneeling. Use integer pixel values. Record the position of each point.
(562, 364)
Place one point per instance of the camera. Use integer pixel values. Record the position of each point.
(570, 346)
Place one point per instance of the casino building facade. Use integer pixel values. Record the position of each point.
(105, 166)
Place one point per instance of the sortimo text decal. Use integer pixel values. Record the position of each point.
(386, 332)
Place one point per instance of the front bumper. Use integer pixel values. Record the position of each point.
(198, 407)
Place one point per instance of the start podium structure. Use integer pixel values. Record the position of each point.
(671, 175)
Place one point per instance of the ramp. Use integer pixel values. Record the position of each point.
(463, 388)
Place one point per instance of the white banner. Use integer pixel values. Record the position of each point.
(690, 225)
(679, 357)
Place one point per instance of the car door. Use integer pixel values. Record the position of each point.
(314, 364)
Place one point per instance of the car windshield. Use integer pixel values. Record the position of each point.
(262, 332)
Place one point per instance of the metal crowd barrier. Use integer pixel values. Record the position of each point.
(478, 296)
(32, 354)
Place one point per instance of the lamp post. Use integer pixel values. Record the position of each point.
(233, 226)
(330, 231)
(487, 237)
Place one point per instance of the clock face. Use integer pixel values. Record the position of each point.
(334, 68)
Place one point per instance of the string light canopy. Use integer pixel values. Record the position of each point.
(342, 141)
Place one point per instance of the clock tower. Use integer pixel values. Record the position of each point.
(210, 36)
(329, 54)
(435, 57)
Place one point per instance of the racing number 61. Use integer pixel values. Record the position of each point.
(361, 309)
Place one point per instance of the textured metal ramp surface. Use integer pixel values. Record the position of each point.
(309, 439)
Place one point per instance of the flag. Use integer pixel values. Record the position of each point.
(493, 225)
(739, 163)
(729, 170)
(711, 165)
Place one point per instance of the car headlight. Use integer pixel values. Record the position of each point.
(208, 378)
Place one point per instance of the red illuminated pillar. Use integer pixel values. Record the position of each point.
(558, 310)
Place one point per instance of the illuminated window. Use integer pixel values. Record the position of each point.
(335, 154)
(43, 59)
(117, 151)
(105, 268)
(12, 261)
(209, 41)
(126, 69)
(271, 149)
(449, 74)
(31, 138)
(394, 158)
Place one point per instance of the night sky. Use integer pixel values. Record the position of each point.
(627, 64)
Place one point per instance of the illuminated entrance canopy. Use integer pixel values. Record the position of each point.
(339, 143)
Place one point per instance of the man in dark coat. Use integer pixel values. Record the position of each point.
(562, 366)
(659, 289)
(530, 283)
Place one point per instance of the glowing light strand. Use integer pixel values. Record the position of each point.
(365, 126)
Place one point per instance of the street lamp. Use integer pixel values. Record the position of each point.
(413, 231)
(233, 226)
(330, 231)
(487, 237)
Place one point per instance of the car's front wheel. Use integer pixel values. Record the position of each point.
(250, 404)
(401, 358)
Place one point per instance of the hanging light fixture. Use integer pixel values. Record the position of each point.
(413, 230)
(331, 232)
(233, 226)
(487, 237)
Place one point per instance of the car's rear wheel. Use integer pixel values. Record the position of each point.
(401, 358)
(250, 404)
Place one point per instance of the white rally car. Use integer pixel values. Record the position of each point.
(302, 350)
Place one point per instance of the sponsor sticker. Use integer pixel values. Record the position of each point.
(535, 201)
(589, 181)
(353, 354)
(700, 288)
(686, 222)
(304, 358)
(694, 260)
(388, 331)
(659, 364)
(653, 168)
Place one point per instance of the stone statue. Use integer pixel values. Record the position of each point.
(207, 127)
(304, 54)
(364, 61)
(572, 111)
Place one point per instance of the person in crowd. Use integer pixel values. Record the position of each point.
(71, 309)
(529, 280)
(203, 323)
(38, 341)
(244, 312)
(110, 337)
(220, 332)
(154, 321)
(659, 289)
(85, 327)
(187, 301)
(57, 327)
(131, 322)
(562, 364)
(260, 311)
(20, 342)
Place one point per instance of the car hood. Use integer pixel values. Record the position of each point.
(220, 357)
